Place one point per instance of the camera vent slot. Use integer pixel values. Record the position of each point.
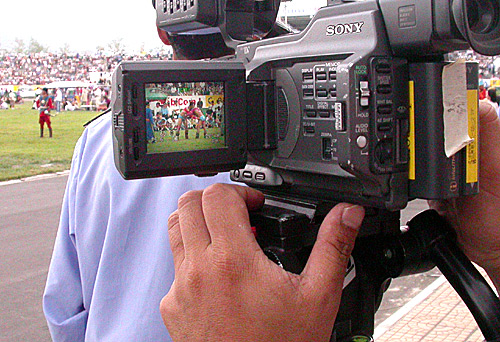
(283, 114)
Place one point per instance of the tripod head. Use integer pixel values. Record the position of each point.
(286, 231)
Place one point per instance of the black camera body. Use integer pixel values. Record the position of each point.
(351, 109)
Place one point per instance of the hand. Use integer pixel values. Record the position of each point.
(477, 218)
(226, 289)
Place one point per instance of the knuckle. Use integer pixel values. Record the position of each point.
(188, 198)
(170, 309)
(226, 195)
(193, 279)
(344, 250)
(216, 190)
(343, 247)
(167, 307)
(173, 220)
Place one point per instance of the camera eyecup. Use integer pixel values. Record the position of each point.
(479, 23)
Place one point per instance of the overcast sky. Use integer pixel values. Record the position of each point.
(86, 24)
(83, 24)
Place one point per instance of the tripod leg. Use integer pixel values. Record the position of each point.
(437, 239)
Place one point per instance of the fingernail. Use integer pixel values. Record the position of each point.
(353, 216)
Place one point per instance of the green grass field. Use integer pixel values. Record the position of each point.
(23, 153)
(167, 144)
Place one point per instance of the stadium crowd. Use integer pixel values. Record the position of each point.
(190, 89)
(44, 68)
(40, 69)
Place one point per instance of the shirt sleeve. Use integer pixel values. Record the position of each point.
(63, 299)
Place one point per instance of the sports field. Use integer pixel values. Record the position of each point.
(167, 143)
(23, 153)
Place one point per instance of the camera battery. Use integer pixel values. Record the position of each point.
(432, 174)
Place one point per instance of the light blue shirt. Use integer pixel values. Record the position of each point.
(112, 262)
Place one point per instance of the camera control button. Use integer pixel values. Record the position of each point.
(384, 89)
(310, 113)
(308, 92)
(384, 109)
(327, 148)
(363, 86)
(260, 176)
(385, 127)
(321, 76)
(361, 141)
(307, 76)
(383, 68)
(364, 90)
(384, 152)
(321, 93)
(247, 174)
(137, 153)
(309, 129)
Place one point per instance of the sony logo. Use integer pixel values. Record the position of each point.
(340, 29)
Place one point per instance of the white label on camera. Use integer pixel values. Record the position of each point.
(456, 119)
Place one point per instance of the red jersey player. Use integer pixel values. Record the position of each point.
(44, 105)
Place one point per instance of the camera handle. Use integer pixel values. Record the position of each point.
(438, 241)
(287, 236)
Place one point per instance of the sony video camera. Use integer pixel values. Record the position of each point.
(360, 106)
(353, 108)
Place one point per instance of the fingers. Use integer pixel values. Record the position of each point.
(194, 232)
(490, 140)
(175, 237)
(487, 113)
(219, 213)
(328, 260)
(226, 212)
(489, 123)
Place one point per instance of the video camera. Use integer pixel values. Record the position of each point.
(350, 109)
(361, 106)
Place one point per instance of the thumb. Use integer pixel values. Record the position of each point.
(334, 244)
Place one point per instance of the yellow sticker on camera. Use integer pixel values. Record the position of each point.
(411, 133)
(472, 164)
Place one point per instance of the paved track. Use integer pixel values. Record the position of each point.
(29, 214)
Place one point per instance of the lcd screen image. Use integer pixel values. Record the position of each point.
(186, 116)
